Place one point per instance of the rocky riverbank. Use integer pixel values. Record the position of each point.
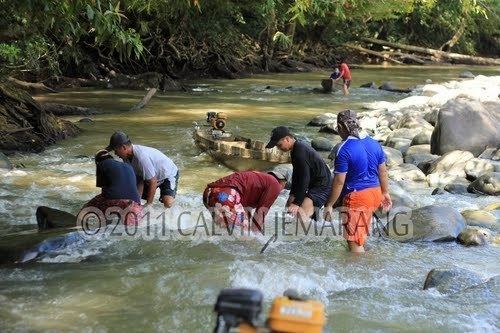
(444, 138)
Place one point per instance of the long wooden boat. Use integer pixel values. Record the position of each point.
(237, 153)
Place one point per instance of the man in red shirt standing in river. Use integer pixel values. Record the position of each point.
(231, 197)
(345, 74)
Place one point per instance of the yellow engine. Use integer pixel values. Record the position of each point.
(217, 120)
(296, 316)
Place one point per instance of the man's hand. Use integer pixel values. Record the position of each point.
(386, 202)
(328, 213)
(293, 209)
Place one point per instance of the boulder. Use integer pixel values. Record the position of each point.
(387, 120)
(393, 157)
(323, 119)
(433, 89)
(474, 237)
(443, 179)
(389, 86)
(412, 121)
(466, 125)
(416, 159)
(322, 144)
(477, 167)
(4, 162)
(382, 133)
(466, 75)
(456, 188)
(370, 85)
(418, 149)
(329, 128)
(423, 138)
(432, 116)
(428, 224)
(406, 172)
(400, 144)
(405, 133)
(452, 163)
(442, 98)
(413, 102)
(438, 191)
(480, 218)
(488, 184)
(451, 280)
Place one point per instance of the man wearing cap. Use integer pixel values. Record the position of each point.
(311, 180)
(360, 181)
(152, 169)
(117, 181)
(233, 197)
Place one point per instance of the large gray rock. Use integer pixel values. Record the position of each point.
(393, 157)
(423, 138)
(4, 162)
(418, 149)
(452, 163)
(488, 184)
(432, 116)
(466, 125)
(329, 128)
(413, 121)
(477, 167)
(416, 159)
(323, 119)
(427, 224)
(451, 280)
(322, 144)
(400, 144)
(473, 236)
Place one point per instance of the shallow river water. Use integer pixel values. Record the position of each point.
(170, 285)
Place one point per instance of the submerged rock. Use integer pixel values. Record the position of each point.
(473, 236)
(50, 218)
(323, 119)
(389, 86)
(86, 121)
(438, 191)
(428, 224)
(466, 75)
(451, 280)
(487, 184)
(370, 85)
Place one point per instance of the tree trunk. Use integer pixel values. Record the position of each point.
(145, 100)
(32, 88)
(439, 55)
(67, 110)
(377, 54)
(456, 37)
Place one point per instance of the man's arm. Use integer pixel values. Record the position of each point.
(266, 200)
(151, 187)
(384, 186)
(338, 185)
(302, 177)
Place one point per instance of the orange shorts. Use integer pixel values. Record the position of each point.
(357, 211)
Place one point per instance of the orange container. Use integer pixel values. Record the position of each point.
(293, 316)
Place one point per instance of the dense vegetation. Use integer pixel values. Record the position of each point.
(89, 38)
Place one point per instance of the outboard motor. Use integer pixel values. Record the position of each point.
(237, 306)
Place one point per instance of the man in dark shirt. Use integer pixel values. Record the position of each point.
(311, 180)
(234, 196)
(118, 183)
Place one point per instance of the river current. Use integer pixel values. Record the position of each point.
(141, 284)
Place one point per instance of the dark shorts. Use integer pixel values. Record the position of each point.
(165, 187)
(347, 83)
(319, 195)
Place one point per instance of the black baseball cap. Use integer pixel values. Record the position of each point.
(116, 140)
(277, 134)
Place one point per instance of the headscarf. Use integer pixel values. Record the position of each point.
(350, 120)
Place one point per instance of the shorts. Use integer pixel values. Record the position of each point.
(347, 83)
(165, 187)
(319, 195)
(225, 205)
(133, 215)
(357, 212)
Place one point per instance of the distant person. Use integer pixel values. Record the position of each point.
(336, 74)
(152, 169)
(117, 181)
(234, 196)
(311, 180)
(345, 75)
(360, 181)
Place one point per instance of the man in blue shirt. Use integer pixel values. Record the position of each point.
(360, 181)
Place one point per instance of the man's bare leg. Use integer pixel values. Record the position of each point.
(355, 248)
(168, 201)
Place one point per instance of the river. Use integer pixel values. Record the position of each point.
(141, 285)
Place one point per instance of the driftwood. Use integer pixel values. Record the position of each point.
(31, 87)
(67, 110)
(377, 54)
(145, 100)
(439, 55)
(406, 57)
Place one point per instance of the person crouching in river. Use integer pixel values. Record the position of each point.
(231, 197)
(311, 179)
(360, 181)
(117, 181)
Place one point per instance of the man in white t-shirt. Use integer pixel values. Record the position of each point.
(152, 168)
